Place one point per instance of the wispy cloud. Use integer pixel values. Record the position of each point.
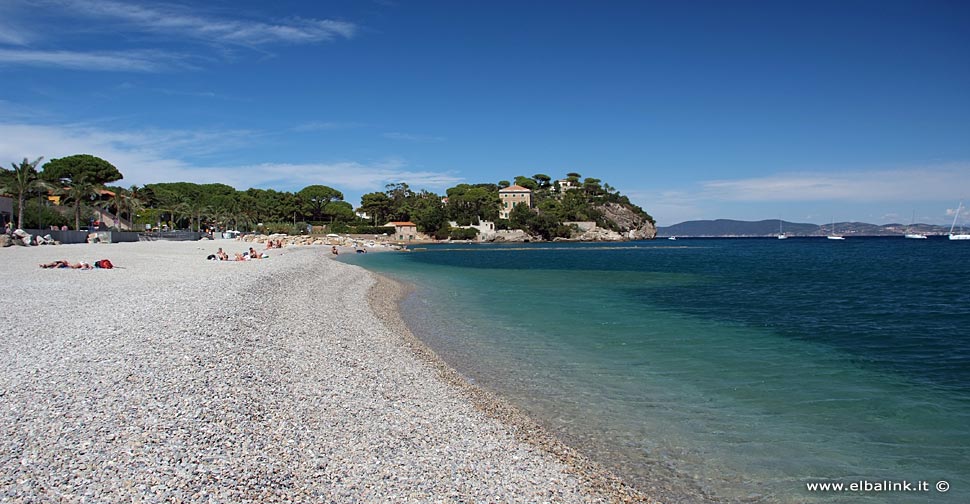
(161, 156)
(129, 61)
(199, 94)
(11, 35)
(354, 175)
(909, 184)
(324, 126)
(180, 21)
(161, 25)
(789, 193)
(964, 212)
(410, 137)
(12, 31)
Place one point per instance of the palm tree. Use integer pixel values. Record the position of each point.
(77, 192)
(197, 208)
(23, 181)
(123, 202)
(134, 203)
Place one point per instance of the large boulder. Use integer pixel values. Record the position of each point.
(5, 240)
(22, 238)
(511, 235)
(631, 224)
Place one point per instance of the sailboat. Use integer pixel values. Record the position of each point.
(909, 232)
(832, 235)
(961, 235)
(781, 234)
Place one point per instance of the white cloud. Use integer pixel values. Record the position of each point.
(167, 23)
(964, 212)
(354, 175)
(324, 126)
(909, 184)
(9, 35)
(130, 61)
(154, 156)
(179, 21)
(851, 194)
(410, 137)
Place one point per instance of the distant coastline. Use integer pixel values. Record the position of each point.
(728, 228)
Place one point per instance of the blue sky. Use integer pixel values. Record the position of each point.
(807, 111)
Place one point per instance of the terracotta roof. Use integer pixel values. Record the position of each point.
(396, 224)
(515, 188)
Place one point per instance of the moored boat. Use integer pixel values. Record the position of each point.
(961, 235)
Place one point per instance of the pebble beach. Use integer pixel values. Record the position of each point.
(289, 379)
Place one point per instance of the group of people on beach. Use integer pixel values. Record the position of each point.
(221, 255)
(271, 244)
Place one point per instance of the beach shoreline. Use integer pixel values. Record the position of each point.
(385, 296)
(179, 379)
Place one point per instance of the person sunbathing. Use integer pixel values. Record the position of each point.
(61, 263)
(56, 264)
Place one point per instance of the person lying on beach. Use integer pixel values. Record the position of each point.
(240, 257)
(64, 264)
(218, 256)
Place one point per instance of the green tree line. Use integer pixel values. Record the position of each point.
(81, 182)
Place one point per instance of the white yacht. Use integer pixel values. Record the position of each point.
(910, 233)
(781, 233)
(832, 235)
(961, 235)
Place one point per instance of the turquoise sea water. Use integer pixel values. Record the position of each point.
(739, 369)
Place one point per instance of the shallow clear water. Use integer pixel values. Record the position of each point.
(737, 368)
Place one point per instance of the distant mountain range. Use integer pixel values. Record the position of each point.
(736, 228)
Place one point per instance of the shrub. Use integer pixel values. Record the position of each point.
(463, 233)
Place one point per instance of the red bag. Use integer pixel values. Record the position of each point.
(103, 264)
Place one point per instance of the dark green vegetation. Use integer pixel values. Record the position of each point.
(553, 204)
(81, 183)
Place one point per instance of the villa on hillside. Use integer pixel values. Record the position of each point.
(511, 196)
(404, 231)
(566, 185)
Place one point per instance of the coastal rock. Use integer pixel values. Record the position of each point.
(5, 241)
(22, 238)
(511, 236)
(631, 224)
(598, 234)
